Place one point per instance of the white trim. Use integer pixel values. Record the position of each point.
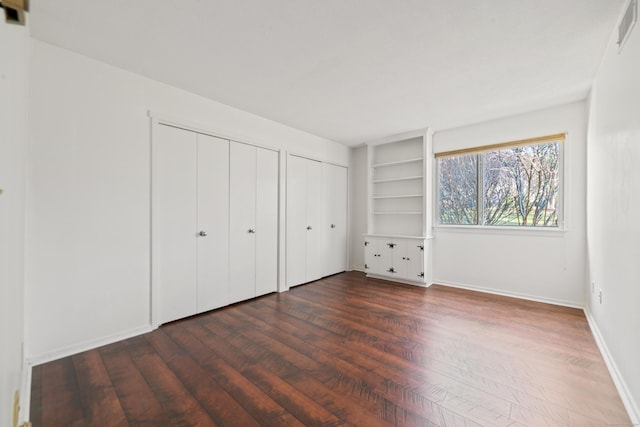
(504, 230)
(509, 294)
(623, 390)
(168, 120)
(419, 133)
(395, 236)
(316, 159)
(397, 280)
(25, 394)
(87, 345)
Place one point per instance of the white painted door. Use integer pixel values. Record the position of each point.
(242, 222)
(314, 255)
(334, 220)
(296, 221)
(213, 221)
(175, 222)
(266, 221)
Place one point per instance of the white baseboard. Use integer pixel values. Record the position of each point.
(618, 380)
(393, 279)
(87, 345)
(25, 394)
(518, 295)
(360, 269)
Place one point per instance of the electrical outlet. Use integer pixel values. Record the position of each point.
(600, 295)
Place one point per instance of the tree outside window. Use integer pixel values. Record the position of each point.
(519, 186)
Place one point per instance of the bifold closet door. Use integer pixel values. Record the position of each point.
(190, 222)
(267, 172)
(304, 214)
(253, 222)
(213, 220)
(334, 218)
(242, 222)
(315, 257)
(296, 220)
(175, 203)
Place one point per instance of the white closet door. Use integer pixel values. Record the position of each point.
(174, 222)
(242, 222)
(296, 220)
(266, 221)
(314, 256)
(213, 220)
(334, 222)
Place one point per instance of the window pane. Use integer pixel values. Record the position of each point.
(521, 186)
(458, 189)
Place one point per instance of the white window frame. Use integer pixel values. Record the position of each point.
(517, 229)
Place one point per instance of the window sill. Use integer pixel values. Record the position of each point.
(502, 230)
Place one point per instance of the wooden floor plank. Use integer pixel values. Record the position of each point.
(101, 404)
(179, 404)
(140, 404)
(344, 350)
(257, 403)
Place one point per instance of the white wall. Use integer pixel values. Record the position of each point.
(14, 45)
(614, 212)
(547, 266)
(357, 206)
(88, 212)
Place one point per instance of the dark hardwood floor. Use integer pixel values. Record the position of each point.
(345, 350)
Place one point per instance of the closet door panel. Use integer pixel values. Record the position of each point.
(296, 260)
(174, 223)
(334, 222)
(314, 256)
(266, 221)
(213, 220)
(242, 225)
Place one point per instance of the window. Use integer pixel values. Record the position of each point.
(510, 184)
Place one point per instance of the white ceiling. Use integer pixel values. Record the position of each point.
(348, 70)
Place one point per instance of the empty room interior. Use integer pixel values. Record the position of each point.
(295, 213)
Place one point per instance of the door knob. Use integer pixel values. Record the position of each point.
(203, 233)
(333, 226)
(252, 230)
(309, 227)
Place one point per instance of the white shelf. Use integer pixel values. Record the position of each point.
(399, 162)
(400, 236)
(398, 196)
(397, 213)
(404, 178)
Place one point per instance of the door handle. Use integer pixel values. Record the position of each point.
(309, 227)
(202, 233)
(333, 226)
(252, 231)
